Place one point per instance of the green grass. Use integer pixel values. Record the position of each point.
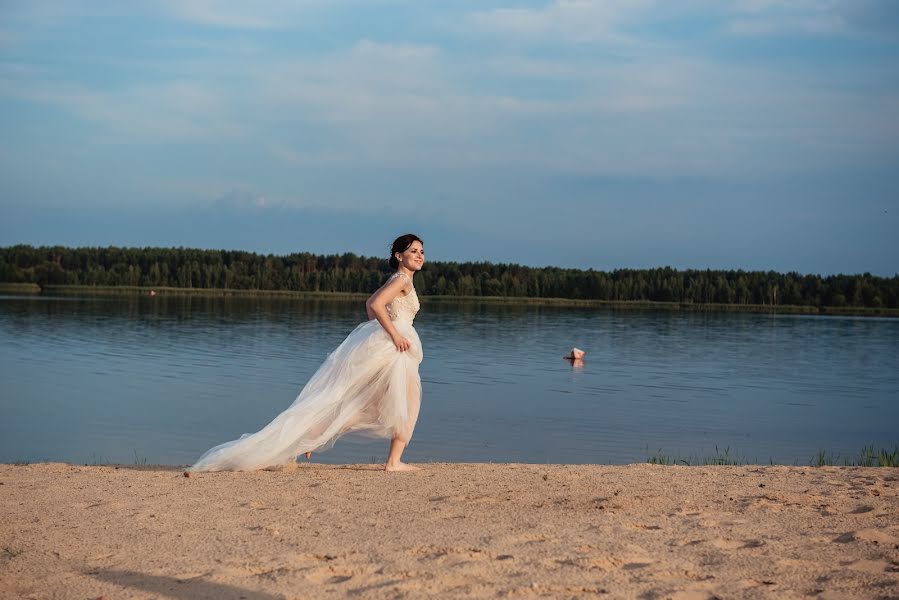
(139, 460)
(102, 461)
(97, 461)
(723, 458)
(719, 458)
(867, 458)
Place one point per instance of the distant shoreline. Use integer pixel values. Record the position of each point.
(160, 291)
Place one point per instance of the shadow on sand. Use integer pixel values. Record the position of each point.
(182, 589)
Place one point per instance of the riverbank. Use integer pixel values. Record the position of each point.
(163, 292)
(449, 530)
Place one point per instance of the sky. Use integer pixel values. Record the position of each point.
(732, 134)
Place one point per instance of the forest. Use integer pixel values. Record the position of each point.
(306, 272)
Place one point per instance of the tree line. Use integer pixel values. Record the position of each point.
(228, 269)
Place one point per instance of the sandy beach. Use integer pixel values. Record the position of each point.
(449, 531)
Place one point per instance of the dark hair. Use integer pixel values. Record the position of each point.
(401, 244)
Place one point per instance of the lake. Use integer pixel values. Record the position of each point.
(162, 379)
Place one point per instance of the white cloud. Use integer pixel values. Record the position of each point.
(239, 198)
(760, 6)
(231, 14)
(815, 24)
(423, 106)
(609, 22)
(751, 27)
(219, 13)
(812, 17)
(564, 20)
(176, 110)
(656, 116)
(360, 87)
(240, 14)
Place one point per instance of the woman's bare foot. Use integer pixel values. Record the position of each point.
(308, 456)
(399, 466)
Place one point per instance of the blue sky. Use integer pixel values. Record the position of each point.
(754, 134)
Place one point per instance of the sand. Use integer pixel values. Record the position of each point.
(450, 531)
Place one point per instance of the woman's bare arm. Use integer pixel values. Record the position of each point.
(376, 307)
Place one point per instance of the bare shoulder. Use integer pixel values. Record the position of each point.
(393, 287)
(399, 282)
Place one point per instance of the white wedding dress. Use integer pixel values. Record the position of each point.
(365, 386)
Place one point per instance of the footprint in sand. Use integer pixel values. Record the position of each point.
(874, 566)
(329, 575)
(755, 583)
(878, 536)
(767, 503)
(631, 558)
(728, 544)
(337, 570)
(694, 594)
(527, 538)
(836, 482)
(484, 499)
(686, 574)
(438, 552)
(272, 531)
(601, 562)
(96, 557)
(875, 536)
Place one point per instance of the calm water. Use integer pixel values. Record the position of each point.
(163, 379)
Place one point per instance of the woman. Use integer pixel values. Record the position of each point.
(368, 385)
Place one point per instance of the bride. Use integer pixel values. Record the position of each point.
(368, 385)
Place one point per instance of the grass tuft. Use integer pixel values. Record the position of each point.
(723, 458)
(869, 457)
(139, 460)
(97, 461)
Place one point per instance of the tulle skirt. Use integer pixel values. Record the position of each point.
(365, 386)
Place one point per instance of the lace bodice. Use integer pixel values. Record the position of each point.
(404, 308)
